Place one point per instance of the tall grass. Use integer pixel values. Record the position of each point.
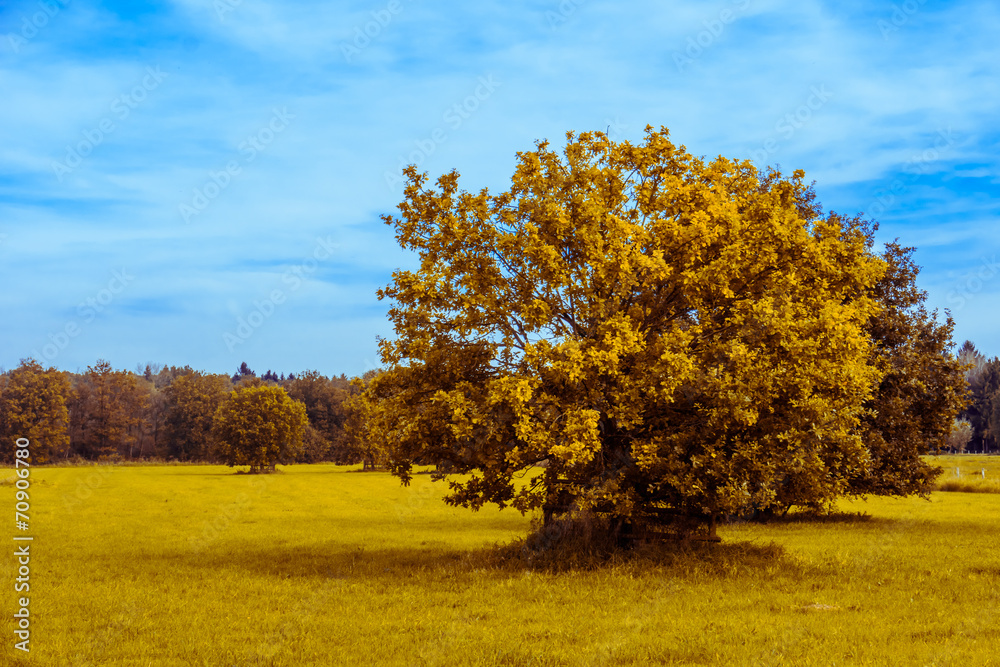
(967, 473)
(969, 485)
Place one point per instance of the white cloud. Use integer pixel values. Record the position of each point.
(325, 174)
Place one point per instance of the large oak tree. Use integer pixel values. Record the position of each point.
(665, 336)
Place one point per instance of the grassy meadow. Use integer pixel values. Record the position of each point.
(970, 473)
(320, 565)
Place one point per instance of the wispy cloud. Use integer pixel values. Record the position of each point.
(746, 89)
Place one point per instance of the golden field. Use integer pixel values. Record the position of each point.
(321, 565)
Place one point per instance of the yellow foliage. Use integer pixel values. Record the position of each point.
(33, 406)
(259, 426)
(657, 330)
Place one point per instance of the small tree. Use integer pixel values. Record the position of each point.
(106, 412)
(958, 438)
(33, 406)
(259, 426)
(243, 372)
(362, 441)
(315, 447)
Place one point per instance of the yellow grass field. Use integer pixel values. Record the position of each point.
(318, 565)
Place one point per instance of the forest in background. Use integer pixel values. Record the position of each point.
(165, 413)
(156, 412)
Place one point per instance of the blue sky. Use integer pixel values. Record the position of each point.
(200, 182)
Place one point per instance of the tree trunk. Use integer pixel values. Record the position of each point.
(547, 513)
(713, 535)
(624, 532)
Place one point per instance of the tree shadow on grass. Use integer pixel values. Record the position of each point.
(725, 560)
(324, 560)
(213, 475)
(298, 471)
(240, 472)
(676, 557)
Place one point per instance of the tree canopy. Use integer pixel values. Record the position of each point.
(659, 333)
(155, 411)
(324, 399)
(923, 388)
(983, 411)
(106, 411)
(192, 401)
(33, 406)
(258, 426)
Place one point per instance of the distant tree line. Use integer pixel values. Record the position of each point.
(159, 412)
(980, 421)
(167, 412)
